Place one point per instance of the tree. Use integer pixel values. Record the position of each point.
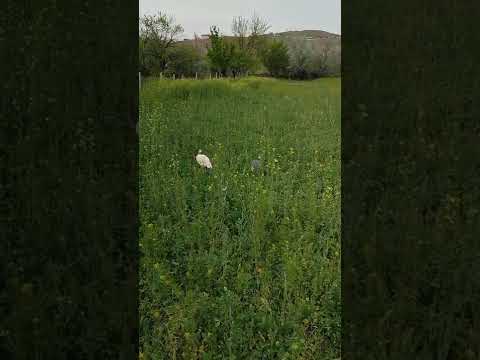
(249, 41)
(240, 27)
(301, 55)
(183, 60)
(276, 59)
(158, 33)
(241, 54)
(240, 60)
(219, 53)
(320, 62)
(258, 28)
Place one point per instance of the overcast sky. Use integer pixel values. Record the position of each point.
(198, 15)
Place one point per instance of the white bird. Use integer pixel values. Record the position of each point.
(203, 160)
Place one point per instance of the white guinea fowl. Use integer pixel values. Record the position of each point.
(203, 160)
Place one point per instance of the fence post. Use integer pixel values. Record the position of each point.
(161, 75)
(196, 76)
(173, 76)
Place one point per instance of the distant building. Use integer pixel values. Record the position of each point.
(205, 36)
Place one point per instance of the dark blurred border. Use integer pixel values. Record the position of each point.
(410, 180)
(69, 105)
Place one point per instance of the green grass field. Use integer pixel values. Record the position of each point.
(237, 265)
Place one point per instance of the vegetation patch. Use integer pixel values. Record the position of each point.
(240, 262)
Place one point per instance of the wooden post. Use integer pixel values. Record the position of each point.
(161, 75)
(196, 76)
(173, 76)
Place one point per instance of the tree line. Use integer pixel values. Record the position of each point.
(248, 51)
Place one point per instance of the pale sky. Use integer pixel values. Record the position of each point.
(198, 15)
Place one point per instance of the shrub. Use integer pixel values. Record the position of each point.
(276, 59)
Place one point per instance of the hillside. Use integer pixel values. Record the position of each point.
(318, 37)
(312, 35)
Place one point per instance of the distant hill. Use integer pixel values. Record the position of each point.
(318, 38)
(315, 34)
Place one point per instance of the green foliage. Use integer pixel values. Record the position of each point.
(241, 60)
(158, 33)
(237, 265)
(250, 42)
(183, 60)
(152, 57)
(220, 53)
(307, 61)
(229, 57)
(276, 59)
(248, 51)
(300, 60)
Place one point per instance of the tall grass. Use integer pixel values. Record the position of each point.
(237, 265)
